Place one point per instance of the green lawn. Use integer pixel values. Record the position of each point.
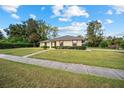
(14, 74)
(20, 51)
(94, 58)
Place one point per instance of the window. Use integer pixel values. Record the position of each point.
(74, 43)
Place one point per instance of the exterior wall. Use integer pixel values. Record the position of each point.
(69, 43)
(65, 43)
(79, 43)
(48, 43)
(57, 43)
(53, 43)
(43, 44)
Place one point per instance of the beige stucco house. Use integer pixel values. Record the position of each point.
(63, 41)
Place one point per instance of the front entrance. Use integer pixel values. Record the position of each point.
(61, 43)
(74, 43)
(45, 43)
(53, 44)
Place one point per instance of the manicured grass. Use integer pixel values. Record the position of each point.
(14, 74)
(94, 58)
(20, 51)
(105, 49)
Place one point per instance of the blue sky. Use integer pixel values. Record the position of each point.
(71, 19)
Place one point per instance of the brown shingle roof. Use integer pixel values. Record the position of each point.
(63, 38)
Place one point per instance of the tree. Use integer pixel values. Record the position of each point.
(31, 30)
(16, 33)
(43, 30)
(114, 41)
(34, 38)
(1, 35)
(94, 33)
(52, 32)
(103, 44)
(118, 41)
(47, 31)
(122, 44)
(31, 26)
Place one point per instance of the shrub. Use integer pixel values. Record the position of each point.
(122, 44)
(83, 47)
(55, 47)
(45, 47)
(14, 45)
(103, 44)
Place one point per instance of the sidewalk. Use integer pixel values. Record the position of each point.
(37, 53)
(75, 68)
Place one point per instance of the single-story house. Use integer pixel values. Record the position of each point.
(63, 41)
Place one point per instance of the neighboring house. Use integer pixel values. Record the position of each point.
(63, 41)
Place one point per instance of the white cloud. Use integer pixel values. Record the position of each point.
(10, 8)
(75, 11)
(15, 16)
(75, 27)
(63, 19)
(32, 16)
(120, 34)
(42, 8)
(100, 21)
(109, 21)
(109, 12)
(68, 12)
(119, 9)
(57, 9)
(3, 32)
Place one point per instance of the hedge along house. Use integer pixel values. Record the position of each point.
(63, 41)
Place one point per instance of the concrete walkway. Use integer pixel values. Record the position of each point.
(36, 53)
(75, 68)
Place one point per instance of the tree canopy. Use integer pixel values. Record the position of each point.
(1, 35)
(32, 31)
(94, 33)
